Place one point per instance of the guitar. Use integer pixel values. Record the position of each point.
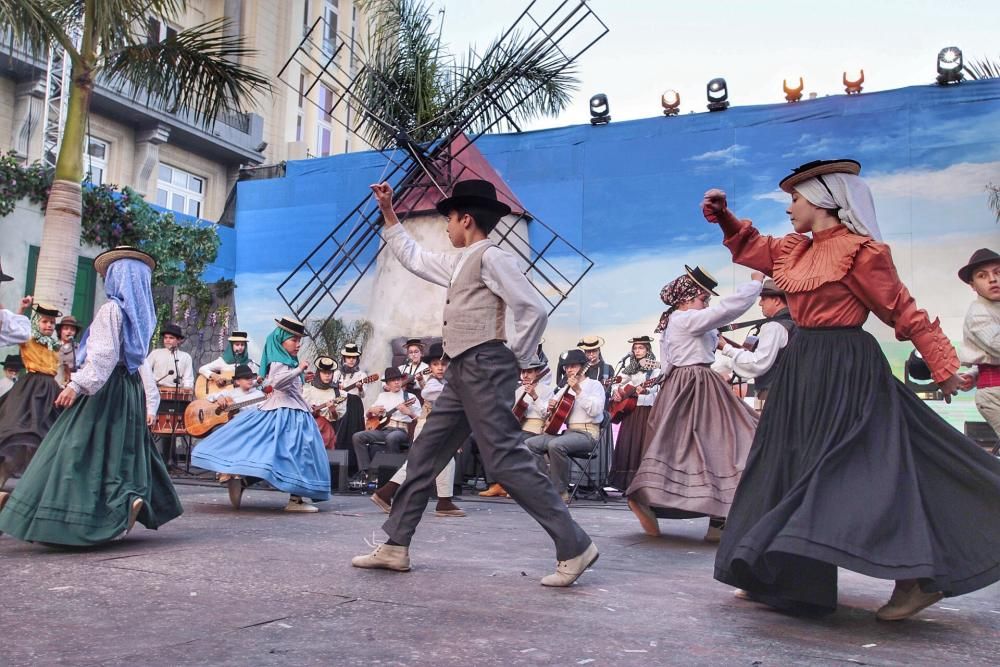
(368, 379)
(202, 416)
(521, 407)
(374, 423)
(622, 408)
(556, 418)
(316, 409)
(204, 386)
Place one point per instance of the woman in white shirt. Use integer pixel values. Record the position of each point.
(699, 432)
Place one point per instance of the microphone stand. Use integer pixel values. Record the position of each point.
(173, 412)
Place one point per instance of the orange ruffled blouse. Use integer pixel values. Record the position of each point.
(38, 358)
(835, 279)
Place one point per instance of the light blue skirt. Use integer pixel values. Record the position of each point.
(282, 446)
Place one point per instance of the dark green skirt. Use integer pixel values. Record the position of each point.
(95, 460)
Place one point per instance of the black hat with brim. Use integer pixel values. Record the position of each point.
(575, 357)
(771, 289)
(702, 278)
(243, 371)
(392, 373)
(3, 276)
(473, 193)
(980, 257)
(14, 362)
(434, 352)
(171, 329)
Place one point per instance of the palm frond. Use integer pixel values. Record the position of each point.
(122, 23)
(993, 195)
(197, 69)
(983, 69)
(36, 25)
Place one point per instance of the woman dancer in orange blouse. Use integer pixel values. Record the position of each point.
(848, 468)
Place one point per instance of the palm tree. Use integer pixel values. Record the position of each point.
(196, 69)
(413, 83)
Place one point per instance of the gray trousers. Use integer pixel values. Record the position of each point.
(479, 397)
(559, 447)
(368, 443)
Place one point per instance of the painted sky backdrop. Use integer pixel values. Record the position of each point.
(627, 194)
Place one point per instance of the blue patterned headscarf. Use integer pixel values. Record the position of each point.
(127, 283)
(275, 352)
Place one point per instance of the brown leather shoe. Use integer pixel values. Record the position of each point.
(495, 491)
(445, 507)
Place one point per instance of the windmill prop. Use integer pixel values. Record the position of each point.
(424, 160)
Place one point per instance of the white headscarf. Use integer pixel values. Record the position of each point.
(847, 193)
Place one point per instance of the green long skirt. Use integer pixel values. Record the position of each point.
(97, 458)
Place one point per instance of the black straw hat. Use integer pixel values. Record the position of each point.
(702, 278)
(392, 373)
(575, 357)
(13, 362)
(435, 351)
(171, 329)
(243, 371)
(980, 257)
(476, 193)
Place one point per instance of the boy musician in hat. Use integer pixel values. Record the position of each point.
(234, 354)
(322, 394)
(12, 367)
(772, 336)
(482, 282)
(28, 410)
(391, 404)
(438, 364)
(981, 333)
(67, 331)
(171, 366)
(244, 389)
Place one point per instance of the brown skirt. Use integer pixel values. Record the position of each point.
(696, 445)
(628, 448)
(327, 430)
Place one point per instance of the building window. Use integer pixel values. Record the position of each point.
(324, 130)
(96, 160)
(298, 127)
(180, 191)
(324, 140)
(157, 31)
(330, 14)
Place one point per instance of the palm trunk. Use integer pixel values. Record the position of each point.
(55, 278)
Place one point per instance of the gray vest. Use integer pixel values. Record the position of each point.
(472, 313)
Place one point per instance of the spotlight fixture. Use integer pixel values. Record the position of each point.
(854, 87)
(717, 94)
(670, 100)
(600, 112)
(793, 94)
(949, 66)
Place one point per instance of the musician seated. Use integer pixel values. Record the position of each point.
(392, 416)
(244, 389)
(531, 399)
(235, 353)
(321, 394)
(171, 366)
(583, 423)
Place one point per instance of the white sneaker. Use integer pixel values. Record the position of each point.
(568, 571)
(300, 505)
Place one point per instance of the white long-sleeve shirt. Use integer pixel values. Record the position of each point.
(536, 407)
(692, 335)
(14, 329)
(589, 405)
(161, 362)
(501, 275)
(391, 399)
(636, 380)
(104, 353)
(432, 389)
(747, 364)
(981, 333)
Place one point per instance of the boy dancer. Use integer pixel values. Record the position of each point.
(482, 283)
(981, 333)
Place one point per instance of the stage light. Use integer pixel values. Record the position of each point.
(717, 94)
(949, 66)
(854, 87)
(670, 100)
(600, 112)
(792, 94)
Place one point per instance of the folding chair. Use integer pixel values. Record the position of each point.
(584, 464)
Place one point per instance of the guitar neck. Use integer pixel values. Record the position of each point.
(253, 401)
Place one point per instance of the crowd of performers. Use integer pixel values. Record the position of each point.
(834, 464)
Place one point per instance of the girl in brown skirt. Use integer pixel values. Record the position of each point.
(642, 382)
(699, 432)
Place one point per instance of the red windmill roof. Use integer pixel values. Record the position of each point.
(466, 163)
